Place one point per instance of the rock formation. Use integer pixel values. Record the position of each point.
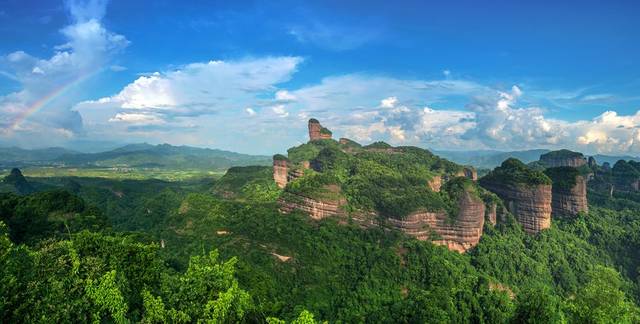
(563, 158)
(625, 176)
(458, 235)
(569, 193)
(531, 205)
(316, 208)
(491, 213)
(469, 173)
(592, 162)
(317, 132)
(570, 201)
(525, 192)
(280, 170)
(435, 183)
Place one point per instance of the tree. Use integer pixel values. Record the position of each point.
(601, 300)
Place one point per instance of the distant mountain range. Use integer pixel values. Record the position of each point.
(488, 159)
(134, 156)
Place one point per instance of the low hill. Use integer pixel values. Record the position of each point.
(14, 154)
(133, 156)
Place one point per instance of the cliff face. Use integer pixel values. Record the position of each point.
(531, 205)
(316, 208)
(317, 132)
(563, 160)
(280, 172)
(491, 214)
(459, 235)
(569, 202)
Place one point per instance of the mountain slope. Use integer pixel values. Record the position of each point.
(134, 155)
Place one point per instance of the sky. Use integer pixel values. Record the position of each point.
(247, 75)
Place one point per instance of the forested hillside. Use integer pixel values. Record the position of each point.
(220, 250)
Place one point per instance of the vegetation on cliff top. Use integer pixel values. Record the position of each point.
(563, 177)
(391, 184)
(514, 172)
(561, 154)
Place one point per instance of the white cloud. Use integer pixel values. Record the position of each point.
(284, 95)
(388, 102)
(207, 88)
(50, 86)
(280, 111)
(250, 112)
(137, 119)
(189, 95)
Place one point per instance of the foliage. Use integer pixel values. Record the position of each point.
(252, 183)
(563, 177)
(561, 154)
(378, 145)
(240, 260)
(514, 172)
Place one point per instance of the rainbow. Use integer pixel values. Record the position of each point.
(50, 97)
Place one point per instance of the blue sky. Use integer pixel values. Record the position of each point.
(245, 75)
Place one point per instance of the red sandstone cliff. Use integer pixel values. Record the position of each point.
(569, 202)
(531, 205)
(317, 132)
(280, 172)
(316, 208)
(458, 235)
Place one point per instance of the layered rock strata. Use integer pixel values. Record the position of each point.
(458, 235)
(317, 132)
(280, 172)
(531, 204)
(570, 201)
(563, 158)
(316, 208)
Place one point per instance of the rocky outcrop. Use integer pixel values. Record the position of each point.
(592, 163)
(570, 201)
(470, 173)
(280, 171)
(531, 204)
(458, 235)
(435, 183)
(491, 213)
(316, 208)
(563, 158)
(317, 132)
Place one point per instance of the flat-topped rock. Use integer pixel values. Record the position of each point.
(459, 234)
(525, 192)
(562, 158)
(569, 193)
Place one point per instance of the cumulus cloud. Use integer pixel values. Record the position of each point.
(51, 85)
(368, 108)
(204, 88)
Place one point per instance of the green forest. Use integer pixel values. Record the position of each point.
(80, 249)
